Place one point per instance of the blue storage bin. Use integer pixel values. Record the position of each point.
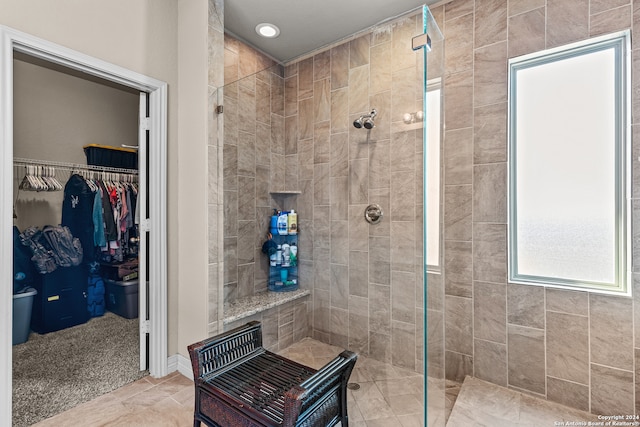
(115, 157)
(22, 306)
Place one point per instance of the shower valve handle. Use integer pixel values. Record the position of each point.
(373, 213)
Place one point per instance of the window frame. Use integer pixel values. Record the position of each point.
(621, 43)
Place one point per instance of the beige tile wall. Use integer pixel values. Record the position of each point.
(365, 278)
(291, 129)
(571, 347)
(282, 325)
(253, 153)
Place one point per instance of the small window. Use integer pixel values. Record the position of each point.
(432, 173)
(569, 137)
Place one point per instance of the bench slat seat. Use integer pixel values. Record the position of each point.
(239, 383)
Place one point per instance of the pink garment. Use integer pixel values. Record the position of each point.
(124, 211)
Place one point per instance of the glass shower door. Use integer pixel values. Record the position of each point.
(430, 50)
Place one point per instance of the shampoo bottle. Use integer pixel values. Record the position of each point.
(292, 222)
(282, 224)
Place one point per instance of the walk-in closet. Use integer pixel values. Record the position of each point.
(75, 238)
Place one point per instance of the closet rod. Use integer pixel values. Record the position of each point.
(17, 161)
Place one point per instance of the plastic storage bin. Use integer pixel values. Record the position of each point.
(22, 305)
(115, 157)
(122, 298)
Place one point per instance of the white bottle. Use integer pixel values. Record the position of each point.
(286, 255)
(282, 224)
(294, 254)
(279, 255)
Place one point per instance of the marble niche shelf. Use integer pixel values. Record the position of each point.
(263, 301)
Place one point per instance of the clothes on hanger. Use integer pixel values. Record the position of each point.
(77, 213)
(98, 213)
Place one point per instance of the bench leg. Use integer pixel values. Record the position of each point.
(196, 423)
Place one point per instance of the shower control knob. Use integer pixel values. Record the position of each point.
(373, 213)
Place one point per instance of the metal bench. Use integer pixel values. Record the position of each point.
(239, 383)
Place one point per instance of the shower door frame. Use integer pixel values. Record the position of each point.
(423, 42)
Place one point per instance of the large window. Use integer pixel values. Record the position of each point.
(568, 165)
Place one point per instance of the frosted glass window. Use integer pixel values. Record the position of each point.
(432, 171)
(567, 173)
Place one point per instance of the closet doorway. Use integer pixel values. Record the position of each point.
(152, 176)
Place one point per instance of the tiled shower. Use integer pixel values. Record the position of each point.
(576, 348)
(290, 129)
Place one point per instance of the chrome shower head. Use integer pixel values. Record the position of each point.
(366, 120)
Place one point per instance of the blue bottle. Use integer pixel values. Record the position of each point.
(273, 226)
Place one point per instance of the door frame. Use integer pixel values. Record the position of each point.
(12, 40)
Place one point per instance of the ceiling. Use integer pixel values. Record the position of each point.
(307, 25)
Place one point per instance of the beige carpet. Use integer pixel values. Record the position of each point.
(59, 370)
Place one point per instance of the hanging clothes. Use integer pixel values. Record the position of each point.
(107, 212)
(77, 214)
(99, 212)
(99, 236)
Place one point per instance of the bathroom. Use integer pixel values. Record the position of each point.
(478, 324)
(367, 279)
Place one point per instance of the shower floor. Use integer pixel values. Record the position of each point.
(480, 403)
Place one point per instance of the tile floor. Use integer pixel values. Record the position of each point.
(452, 389)
(388, 396)
(480, 403)
(161, 402)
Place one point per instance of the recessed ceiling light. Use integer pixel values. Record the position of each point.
(267, 30)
